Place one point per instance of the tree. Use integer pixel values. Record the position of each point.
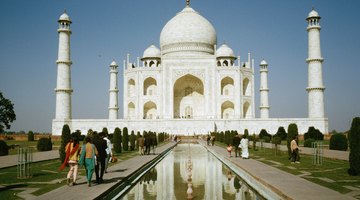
(132, 140)
(7, 114)
(30, 136)
(281, 133)
(117, 140)
(292, 132)
(65, 137)
(354, 141)
(105, 131)
(125, 139)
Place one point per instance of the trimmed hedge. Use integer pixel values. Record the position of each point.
(44, 144)
(4, 148)
(354, 141)
(338, 141)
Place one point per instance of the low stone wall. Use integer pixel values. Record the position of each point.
(22, 137)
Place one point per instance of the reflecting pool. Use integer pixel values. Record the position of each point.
(189, 171)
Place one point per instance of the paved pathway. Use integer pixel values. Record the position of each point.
(12, 160)
(287, 185)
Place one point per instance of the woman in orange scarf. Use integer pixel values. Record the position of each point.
(72, 156)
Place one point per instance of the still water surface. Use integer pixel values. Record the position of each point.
(189, 171)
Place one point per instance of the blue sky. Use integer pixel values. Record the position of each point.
(107, 30)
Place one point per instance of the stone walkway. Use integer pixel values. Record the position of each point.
(287, 185)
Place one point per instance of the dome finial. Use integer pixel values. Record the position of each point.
(187, 2)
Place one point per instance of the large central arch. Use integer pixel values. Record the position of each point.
(189, 101)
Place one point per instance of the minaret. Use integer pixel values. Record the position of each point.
(63, 85)
(264, 90)
(315, 82)
(113, 92)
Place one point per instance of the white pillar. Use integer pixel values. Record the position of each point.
(63, 88)
(315, 83)
(264, 91)
(113, 92)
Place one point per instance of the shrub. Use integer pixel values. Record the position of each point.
(354, 141)
(313, 133)
(281, 133)
(30, 136)
(4, 148)
(292, 132)
(263, 133)
(125, 139)
(132, 141)
(117, 140)
(276, 140)
(44, 144)
(307, 142)
(338, 141)
(267, 138)
(65, 137)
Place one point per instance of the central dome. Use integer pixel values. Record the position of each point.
(188, 33)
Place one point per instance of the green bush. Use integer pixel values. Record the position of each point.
(307, 142)
(266, 138)
(4, 148)
(117, 140)
(65, 137)
(281, 133)
(276, 140)
(313, 133)
(132, 141)
(263, 133)
(292, 133)
(44, 144)
(338, 141)
(125, 139)
(354, 141)
(30, 136)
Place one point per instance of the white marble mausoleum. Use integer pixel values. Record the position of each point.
(190, 84)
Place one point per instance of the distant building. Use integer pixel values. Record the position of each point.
(190, 85)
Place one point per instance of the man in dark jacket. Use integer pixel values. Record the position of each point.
(101, 146)
(236, 142)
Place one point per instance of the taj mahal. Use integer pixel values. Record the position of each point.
(190, 84)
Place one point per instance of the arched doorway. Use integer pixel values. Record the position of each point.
(189, 101)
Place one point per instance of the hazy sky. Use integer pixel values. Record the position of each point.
(107, 30)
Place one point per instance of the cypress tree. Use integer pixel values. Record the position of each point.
(105, 131)
(125, 139)
(281, 133)
(132, 140)
(292, 132)
(117, 140)
(354, 141)
(65, 137)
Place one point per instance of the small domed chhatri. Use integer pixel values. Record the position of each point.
(313, 14)
(152, 52)
(263, 62)
(64, 17)
(225, 51)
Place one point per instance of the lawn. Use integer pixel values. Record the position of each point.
(331, 174)
(45, 176)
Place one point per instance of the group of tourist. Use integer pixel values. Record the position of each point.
(94, 154)
(146, 143)
(239, 143)
(210, 139)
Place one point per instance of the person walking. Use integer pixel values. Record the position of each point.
(244, 145)
(141, 141)
(236, 142)
(108, 151)
(87, 158)
(72, 151)
(101, 146)
(229, 149)
(295, 157)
